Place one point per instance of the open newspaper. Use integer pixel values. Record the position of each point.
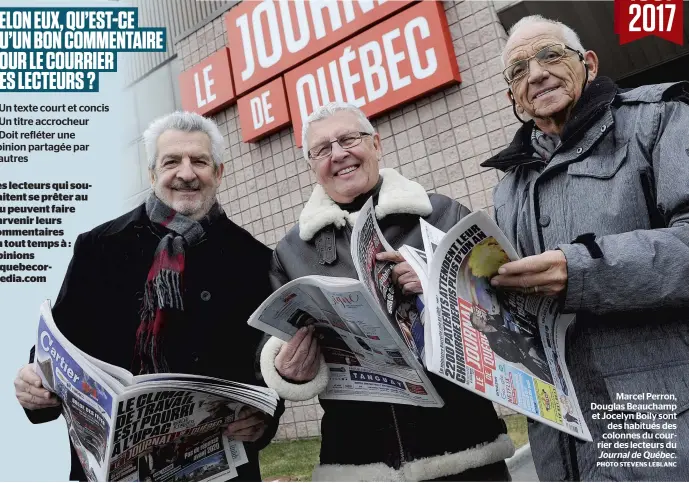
(159, 427)
(376, 341)
(506, 346)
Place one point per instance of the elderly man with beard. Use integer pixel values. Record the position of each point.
(595, 197)
(370, 441)
(109, 306)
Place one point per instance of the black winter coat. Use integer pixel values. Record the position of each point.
(226, 279)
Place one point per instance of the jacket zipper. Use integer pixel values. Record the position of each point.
(348, 234)
(397, 432)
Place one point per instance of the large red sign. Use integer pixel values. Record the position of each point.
(207, 86)
(398, 60)
(268, 37)
(263, 111)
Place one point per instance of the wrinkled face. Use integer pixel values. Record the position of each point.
(550, 89)
(185, 177)
(346, 173)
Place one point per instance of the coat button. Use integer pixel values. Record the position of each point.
(205, 295)
(544, 221)
(602, 128)
(580, 150)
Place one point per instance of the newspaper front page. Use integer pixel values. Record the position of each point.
(158, 427)
(502, 345)
(172, 436)
(366, 358)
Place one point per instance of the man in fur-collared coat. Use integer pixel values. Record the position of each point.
(367, 441)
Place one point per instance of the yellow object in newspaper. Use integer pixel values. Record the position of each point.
(486, 257)
(547, 401)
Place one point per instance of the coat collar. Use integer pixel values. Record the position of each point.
(397, 195)
(596, 98)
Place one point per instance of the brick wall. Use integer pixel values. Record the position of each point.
(438, 141)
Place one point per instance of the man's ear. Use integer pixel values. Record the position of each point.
(219, 170)
(510, 96)
(591, 60)
(377, 145)
(151, 176)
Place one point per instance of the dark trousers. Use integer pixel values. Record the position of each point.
(493, 472)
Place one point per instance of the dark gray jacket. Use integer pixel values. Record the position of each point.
(367, 441)
(614, 197)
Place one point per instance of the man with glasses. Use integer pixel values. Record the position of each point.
(596, 199)
(367, 441)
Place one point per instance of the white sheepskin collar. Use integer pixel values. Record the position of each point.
(397, 195)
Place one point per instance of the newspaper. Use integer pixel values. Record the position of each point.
(503, 345)
(366, 358)
(431, 238)
(160, 427)
(376, 341)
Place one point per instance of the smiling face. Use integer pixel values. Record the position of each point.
(549, 91)
(185, 177)
(345, 174)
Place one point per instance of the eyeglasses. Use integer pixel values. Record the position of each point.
(547, 55)
(346, 141)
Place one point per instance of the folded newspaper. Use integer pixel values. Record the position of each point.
(376, 341)
(158, 427)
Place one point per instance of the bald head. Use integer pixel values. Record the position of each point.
(528, 24)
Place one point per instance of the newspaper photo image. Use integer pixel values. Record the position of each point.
(502, 318)
(304, 306)
(155, 427)
(499, 344)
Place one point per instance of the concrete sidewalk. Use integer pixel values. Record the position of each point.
(521, 465)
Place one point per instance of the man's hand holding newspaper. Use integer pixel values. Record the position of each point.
(248, 427)
(544, 274)
(403, 275)
(30, 392)
(298, 359)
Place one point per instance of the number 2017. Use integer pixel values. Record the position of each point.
(648, 12)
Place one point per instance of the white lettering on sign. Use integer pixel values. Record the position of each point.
(421, 24)
(398, 60)
(207, 83)
(293, 44)
(317, 7)
(376, 70)
(260, 110)
(271, 36)
(263, 111)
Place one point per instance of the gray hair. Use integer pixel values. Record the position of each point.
(569, 36)
(325, 112)
(187, 122)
